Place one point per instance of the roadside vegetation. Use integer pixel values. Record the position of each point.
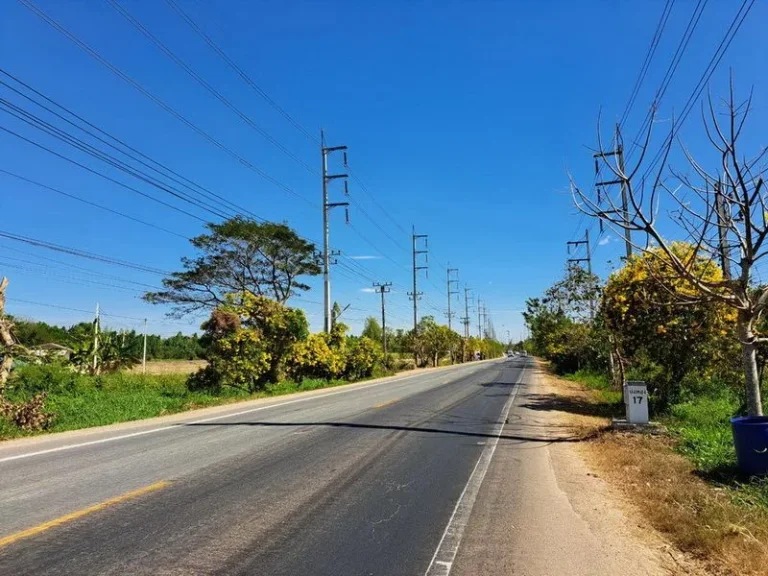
(680, 481)
(253, 344)
(688, 318)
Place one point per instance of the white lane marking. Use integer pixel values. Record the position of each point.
(212, 418)
(445, 554)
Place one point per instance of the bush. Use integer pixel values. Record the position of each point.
(33, 379)
(314, 358)
(363, 356)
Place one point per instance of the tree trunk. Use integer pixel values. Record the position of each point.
(749, 358)
(6, 340)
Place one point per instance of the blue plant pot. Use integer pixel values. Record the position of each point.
(750, 438)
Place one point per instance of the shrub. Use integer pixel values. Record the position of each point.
(314, 358)
(50, 378)
(363, 356)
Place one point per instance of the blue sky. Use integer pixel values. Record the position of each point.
(462, 118)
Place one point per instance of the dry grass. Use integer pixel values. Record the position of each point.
(170, 367)
(698, 517)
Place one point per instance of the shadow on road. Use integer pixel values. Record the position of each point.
(549, 402)
(520, 438)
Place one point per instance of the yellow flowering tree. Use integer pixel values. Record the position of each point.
(249, 339)
(643, 308)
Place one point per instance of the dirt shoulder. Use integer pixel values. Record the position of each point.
(546, 507)
(698, 524)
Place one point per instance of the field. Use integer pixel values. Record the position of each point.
(170, 367)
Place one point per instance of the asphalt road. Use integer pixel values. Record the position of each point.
(352, 481)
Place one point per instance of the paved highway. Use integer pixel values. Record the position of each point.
(376, 478)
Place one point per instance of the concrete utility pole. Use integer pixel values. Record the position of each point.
(415, 295)
(383, 289)
(465, 319)
(144, 354)
(723, 221)
(577, 243)
(96, 323)
(479, 319)
(483, 314)
(619, 153)
(327, 206)
(450, 282)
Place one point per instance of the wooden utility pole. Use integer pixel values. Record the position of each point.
(383, 289)
(327, 207)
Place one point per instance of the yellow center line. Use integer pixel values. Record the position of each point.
(40, 528)
(388, 403)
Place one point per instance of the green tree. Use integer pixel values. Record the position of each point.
(240, 257)
(561, 325)
(34, 333)
(363, 355)
(372, 329)
(249, 339)
(430, 341)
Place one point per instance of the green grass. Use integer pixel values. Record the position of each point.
(702, 430)
(79, 401)
(597, 382)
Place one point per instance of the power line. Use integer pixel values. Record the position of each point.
(139, 153)
(240, 72)
(65, 265)
(109, 159)
(220, 97)
(81, 253)
(134, 154)
(706, 75)
(57, 277)
(101, 174)
(90, 312)
(671, 69)
(648, 58)
(93, 204)
(244, 76)
(112, 68)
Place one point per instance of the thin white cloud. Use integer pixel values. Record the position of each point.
(365, 257)
(604, 241)
(367, 289)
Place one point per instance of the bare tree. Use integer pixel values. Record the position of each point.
(723, 212)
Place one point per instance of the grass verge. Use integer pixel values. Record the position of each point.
(79, 401)
(683, 482)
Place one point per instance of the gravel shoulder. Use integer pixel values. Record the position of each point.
(543, 508)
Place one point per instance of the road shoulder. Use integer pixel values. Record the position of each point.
(45, 440)
(543, 511)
